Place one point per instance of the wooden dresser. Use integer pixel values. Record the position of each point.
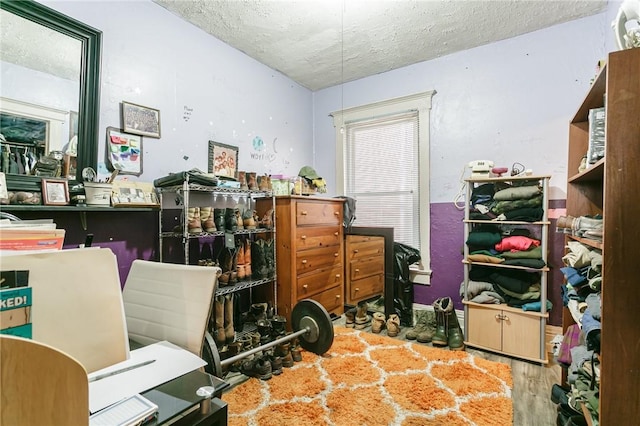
(364, 268)
(309, 253)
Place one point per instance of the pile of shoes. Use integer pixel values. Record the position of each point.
(358, 318)
(270, 327)
(251, 181)
(424, 328)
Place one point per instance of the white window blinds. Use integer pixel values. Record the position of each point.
(382, 173)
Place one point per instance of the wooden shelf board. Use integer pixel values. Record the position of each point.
(592, 174)
(500, 265)
(586, 241)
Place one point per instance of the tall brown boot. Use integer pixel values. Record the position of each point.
(206, 219)
(219, 334)
(242, 178)
(252, 181)
(194, 226)
(229, 332)
(240, 262)
(247, 258)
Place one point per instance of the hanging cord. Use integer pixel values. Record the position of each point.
(461, 192)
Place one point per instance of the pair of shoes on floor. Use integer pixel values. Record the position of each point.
(259, 367)
(362, 319)
(392, 324)
(424, 328)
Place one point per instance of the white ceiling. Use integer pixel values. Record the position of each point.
(322, 43)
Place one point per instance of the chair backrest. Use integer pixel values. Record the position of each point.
(172, 302)
(41, 385)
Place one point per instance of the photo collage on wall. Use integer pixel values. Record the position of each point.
(124, 151)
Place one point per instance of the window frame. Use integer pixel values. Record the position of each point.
(420, 102)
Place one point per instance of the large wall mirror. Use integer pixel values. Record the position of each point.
(49, 92)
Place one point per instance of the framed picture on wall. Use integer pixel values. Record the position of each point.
(223, 160)
(140, 120)
(55, 192)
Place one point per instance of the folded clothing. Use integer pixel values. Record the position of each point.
(532, 253)
(516, 243)
(528, 263)
(483, 239)
(517, 193)
(516, 281)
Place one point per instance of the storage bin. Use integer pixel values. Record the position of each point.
(98, 194)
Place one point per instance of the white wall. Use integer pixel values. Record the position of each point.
(204, 89)
(510, 101)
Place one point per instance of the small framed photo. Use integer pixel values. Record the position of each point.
(140, 120)
(223, 160)
(55, 192)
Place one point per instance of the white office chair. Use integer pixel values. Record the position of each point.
(41, 385)
(165, 301)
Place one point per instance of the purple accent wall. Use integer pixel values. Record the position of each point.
(129, 234)
(446, 259)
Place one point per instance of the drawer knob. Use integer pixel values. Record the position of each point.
(303, 212)
(336, 233)
(337, 275)
(335, 254)
(305, 286)
(337, 296)
(356, 250)
(336, 213)
(304, 261)
(357, 289)
(304, 237)
(357, 270)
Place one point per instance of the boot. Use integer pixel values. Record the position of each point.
(226, 264)
(424, 328)
(269, 257)
(252, 182)
(440, 336)
(206, 219)
(247, 258)
(264, 183)
(240, 262)
(239, 220)
(362, 319)
(267, 220)
(258, 262)
(242, 178)
(194, 225)
(218, 332)
(393, 325)
(455, 337)
(228, 318)
(218, 219)
(230, 221)
(377, 323)
(350, 317)
(248, 219)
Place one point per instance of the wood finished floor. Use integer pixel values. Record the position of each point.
(532, 384)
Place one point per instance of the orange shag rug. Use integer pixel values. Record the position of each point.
(371, 379)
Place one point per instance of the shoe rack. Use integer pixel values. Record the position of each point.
(184, 237)
(500, 328)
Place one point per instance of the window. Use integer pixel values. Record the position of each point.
(383, 162)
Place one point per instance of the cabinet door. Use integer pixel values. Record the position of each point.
(485, 327)
(521, 334)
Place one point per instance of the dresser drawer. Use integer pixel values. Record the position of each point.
(312, 259)
(319, 280)
(307, 237)
(359, 247)
(331, 299)
(366, 287)
(366, 267)
(318, 213)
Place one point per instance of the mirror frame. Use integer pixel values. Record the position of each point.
(89, 107)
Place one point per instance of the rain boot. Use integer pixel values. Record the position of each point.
(440, 336)
(230, 221)
(229, 332)
(455, 337)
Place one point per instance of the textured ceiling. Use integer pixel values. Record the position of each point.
(322, 43)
